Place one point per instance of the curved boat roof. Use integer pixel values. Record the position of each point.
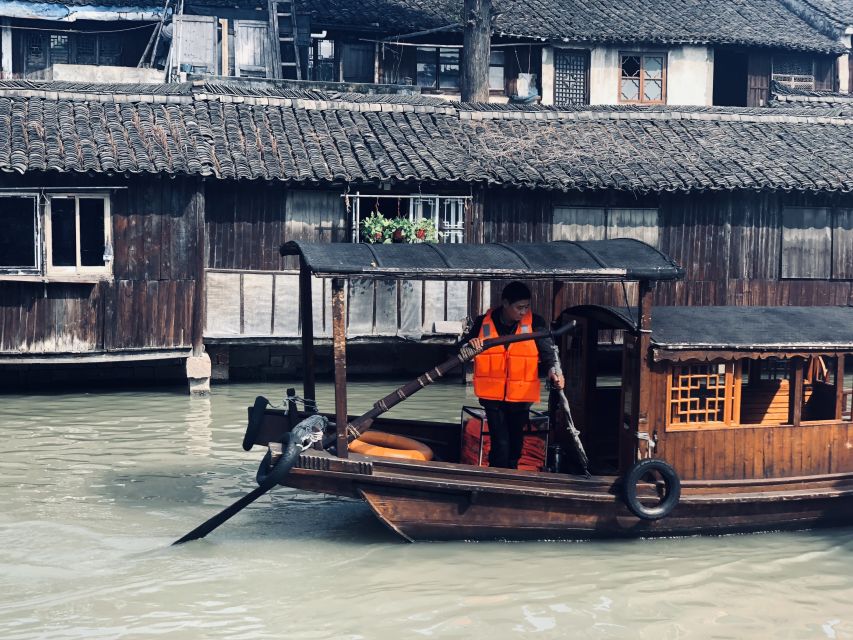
(617, 259)
(768, 329)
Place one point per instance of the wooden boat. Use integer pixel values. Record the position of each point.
(749, 405)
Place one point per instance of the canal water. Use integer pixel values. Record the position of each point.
(95, 486)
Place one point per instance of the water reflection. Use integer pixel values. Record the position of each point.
(96, 486)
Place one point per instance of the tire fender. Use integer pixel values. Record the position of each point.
(672, 489)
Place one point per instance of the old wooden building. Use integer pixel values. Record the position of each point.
(143, 222)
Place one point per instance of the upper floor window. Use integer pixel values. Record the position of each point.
(794, 70)
(496, 70)
(438, 67)
(73, 237)
(321, 60)
(439, 218)
(594, 223)
(642, 78)
(571, 77)
(817, 243)
(45, 49)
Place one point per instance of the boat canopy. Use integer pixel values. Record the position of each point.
(594, 260)
(765, 329)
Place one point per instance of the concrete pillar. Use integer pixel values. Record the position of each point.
(220, 359)
(198, 374)
(547, 75)
(6, 50)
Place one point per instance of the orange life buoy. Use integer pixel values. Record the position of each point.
(388, 445)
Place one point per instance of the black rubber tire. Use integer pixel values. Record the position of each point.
(672, 489)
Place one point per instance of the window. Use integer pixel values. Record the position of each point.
(321, 62)
(642, 78)
(496, 70)
(448, 213)
(77, 235)
(806, 242)
(700, 394)
(794, 70)
(19, 247)
(593, 223)
(571, 77)
(45, 49)
(438, 67)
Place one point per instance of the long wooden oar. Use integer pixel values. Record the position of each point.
(300, 438)
(466, 353)
(570, 424)
(310, 429)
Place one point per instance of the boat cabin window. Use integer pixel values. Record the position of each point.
(749, 392)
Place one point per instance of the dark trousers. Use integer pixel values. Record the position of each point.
(506, 431)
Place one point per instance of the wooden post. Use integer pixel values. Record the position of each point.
(199, 297)
(839, 387)
(6, 46)
(644, 378)
(339, 339)
(223, 25)
(477, 20)
(795, 392)
(307, 313)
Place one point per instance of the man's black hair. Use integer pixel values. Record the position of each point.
(515, 291)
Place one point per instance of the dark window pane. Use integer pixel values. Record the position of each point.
(426, 67)
(91, 232)
(63, 235)
(110, 50)
(496, 70)
(86, 49)
(323, 66)
(17, 241)
(58, 48)
(448, 75)
(630, 66)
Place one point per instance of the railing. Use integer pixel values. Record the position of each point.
(265, 304)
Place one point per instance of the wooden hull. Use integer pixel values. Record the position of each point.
(445, 501)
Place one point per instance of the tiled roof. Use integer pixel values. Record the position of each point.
(839, 12)
(764, 23)
(332, 141)
(786, 97)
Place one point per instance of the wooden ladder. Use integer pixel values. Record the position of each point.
(285, 39)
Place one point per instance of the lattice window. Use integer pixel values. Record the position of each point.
(642, 78)
(794, 70)
(570, 77)
(700, 394)
(87, 49)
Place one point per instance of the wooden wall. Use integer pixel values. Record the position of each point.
(729, 243)
(148, 304)
(746, 451)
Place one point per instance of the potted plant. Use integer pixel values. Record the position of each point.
(401, 230)
(376, 228)
(424, 230)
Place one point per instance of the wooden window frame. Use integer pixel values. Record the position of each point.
(642, 55)
(12, 272)
(731, 396)
(78, 269)
(436, 50)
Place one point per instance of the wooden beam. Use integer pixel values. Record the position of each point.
(477, 21)
(839, 387)
(223, 24)
(199, 295)
(644, 378)
(339, 338)
(307, 315)
(795, 387)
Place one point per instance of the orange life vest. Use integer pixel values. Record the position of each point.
(509, 372)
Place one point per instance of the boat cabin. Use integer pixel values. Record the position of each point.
(733, 392)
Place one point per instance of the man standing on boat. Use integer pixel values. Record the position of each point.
(506, 378)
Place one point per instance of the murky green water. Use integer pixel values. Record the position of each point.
(95, 487)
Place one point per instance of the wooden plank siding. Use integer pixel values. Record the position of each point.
(148, 303)
(749, 451)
